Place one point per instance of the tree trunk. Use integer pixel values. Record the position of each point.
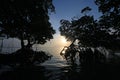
(72, 43)
(22, 43)
(29, 45)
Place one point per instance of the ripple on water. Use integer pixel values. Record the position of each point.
(54, 68)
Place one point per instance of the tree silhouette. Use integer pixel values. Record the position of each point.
(109, 20)
(82, 29)
(104, 32)
(26, 20)
(85, 10)
(65, 29)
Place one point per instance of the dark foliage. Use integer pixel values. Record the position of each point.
(83, 56)
(110, 20)
(24, 57)
(104, 32)
(26, 20)
(85, 10)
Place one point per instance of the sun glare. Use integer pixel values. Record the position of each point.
(63, 40)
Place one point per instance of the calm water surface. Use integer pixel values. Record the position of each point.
(57, 68)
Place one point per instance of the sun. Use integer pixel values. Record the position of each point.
(63, 40)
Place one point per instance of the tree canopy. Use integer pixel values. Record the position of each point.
(26, 20)
(90, 32)
(93, 33)
(110, 19)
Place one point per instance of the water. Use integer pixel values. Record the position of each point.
(53, 67)
(57, 68)
(55, 62)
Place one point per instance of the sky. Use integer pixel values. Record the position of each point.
(65, 9)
